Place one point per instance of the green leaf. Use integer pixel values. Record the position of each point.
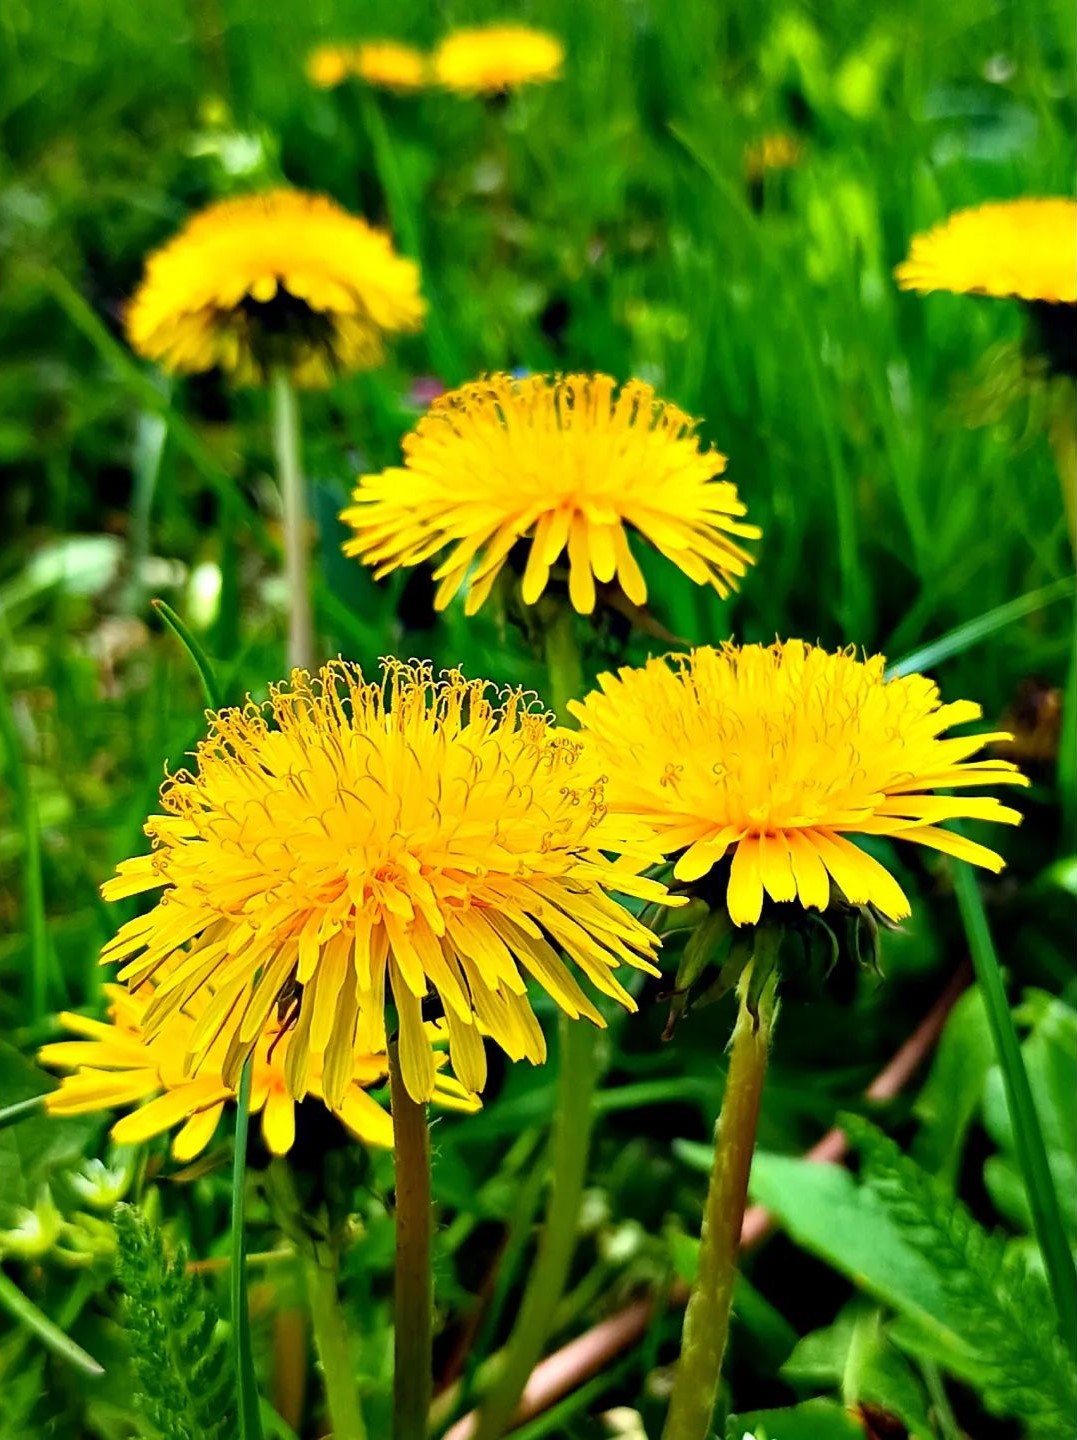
(814, 1420)
(954, 1089)
(827, 1213)
(1050, 1056)
(855, 1354)
(26, 1313)
(184, 1383)
(1003, 1309)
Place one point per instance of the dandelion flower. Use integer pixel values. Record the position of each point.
(116, 1065)
(385, 63)
(353, 841)
(1021, 248)
(564, 463)
(492, 58)
(778, 151)
(277, 279)
(775, 755)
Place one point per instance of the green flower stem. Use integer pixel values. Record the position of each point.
(563, 662)
(706, 1321)
(250, 1420)
(1027, 1133)
(334, 1350)
(296, 520)
(414, 1289)
(569, 1149)
(570, 1143)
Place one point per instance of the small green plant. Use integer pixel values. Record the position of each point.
(180, 1360)
(1007, 1317)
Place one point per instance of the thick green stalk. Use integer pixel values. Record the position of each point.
(563, 662)
(706, 1321)
(296, 520)
(1027, 1134)
(413, 1340)
(334, 1351)
(569, 1149)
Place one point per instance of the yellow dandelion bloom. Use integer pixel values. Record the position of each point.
(491, 58)
(280, 278)
(566, 463)
(385, 63)
(117, 1065)
(774, 755)
(351, 841)
(1021, 248)
(779, 151)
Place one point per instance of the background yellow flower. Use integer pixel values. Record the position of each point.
(774, 755)
(490, 58)
(385, 63)
(1022, 248)
(116, 1065)
(281, 278)
(565, 463)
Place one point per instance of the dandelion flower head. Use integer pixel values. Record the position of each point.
(116, 1066)
(351, 842)
(776, 755)
(563, 463)
(1021, 248)
(282, 278)
(488, 59)
(387, 64)
(777, 151)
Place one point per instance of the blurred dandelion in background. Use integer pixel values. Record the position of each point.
(386, 64)
(281, 279)
(777, 151)
(566, 463)
(116, 1064)
(1021, 248)
(770, 757)
(1026, 250)
(487, 60)
(354, 841)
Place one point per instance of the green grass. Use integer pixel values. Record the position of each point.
(886, 443)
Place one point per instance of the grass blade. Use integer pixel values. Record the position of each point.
(26, 1313)
(964, 637)
(33, 880)
(210, 688)
(184, 436)
(1028, 1136)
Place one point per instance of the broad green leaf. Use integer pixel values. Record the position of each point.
(954, 1088)
(827, 1213)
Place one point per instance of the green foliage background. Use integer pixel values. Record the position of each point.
(894, 448)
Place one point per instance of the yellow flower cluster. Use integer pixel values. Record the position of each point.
(483, 60)
(359, 858)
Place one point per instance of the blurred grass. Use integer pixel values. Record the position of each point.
(892, 446)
